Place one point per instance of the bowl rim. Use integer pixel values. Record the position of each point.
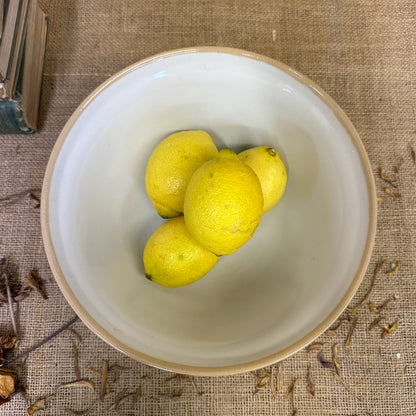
(234, 368)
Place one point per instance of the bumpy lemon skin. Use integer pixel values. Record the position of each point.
(173, 258)
(270, 169)
(171, 166)
(223, 203)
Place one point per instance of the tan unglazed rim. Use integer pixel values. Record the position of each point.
(196, 370)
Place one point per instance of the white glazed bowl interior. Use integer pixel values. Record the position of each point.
(287, 280)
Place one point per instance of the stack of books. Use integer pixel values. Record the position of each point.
(23, 28)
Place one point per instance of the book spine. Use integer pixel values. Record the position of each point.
(11, 118)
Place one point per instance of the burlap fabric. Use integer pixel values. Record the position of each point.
(363, 54)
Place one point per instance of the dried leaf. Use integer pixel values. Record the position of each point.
(15, 198)
(2, 401)
(325, 363)
(263, 382)
(391, 193)
(39, 404)
(81, 412)
(115, 370)
(291, 389)
(279, 377)
(366, 299)
(387, 179)
(388, 330)
(351, 311)
(335, 358)
(311, 384)
(351, 333)
(8, 342)
(396, 268)
(406, 369)
(35, 199)
(338, 377)
(79, 383)
(76, 363)
(375, 309)
(103, 379)
(315, 347)
(20, 293)
(376, 322)
(36, 282)
(381, 199)
(8, 379)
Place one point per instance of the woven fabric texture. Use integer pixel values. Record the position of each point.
(363, 54)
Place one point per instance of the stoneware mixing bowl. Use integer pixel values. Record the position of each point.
(257, 306)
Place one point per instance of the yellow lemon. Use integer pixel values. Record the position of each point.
(270, 170)
(223, 203)
(173, 258)
(171, 166)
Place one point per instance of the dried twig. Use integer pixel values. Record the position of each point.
(272, 385)
(115, 371)
(81, 412)
(311, 384)
(338, 377)
(103, 379)
(315, 347)
(120, 398)
(366, 299)
(76, 361)
(279, 377)
(333, 330)
(45, 340)
(9, 301)
(175, 395)
(397, 167)
(375, 309)
(413, 154)
(139, 393)
(335, 358)
(77, 335)
(376, 322)
(291, 389)
(351, 333)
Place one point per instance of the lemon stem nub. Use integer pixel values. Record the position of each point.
(271, 151)
(149, 276)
